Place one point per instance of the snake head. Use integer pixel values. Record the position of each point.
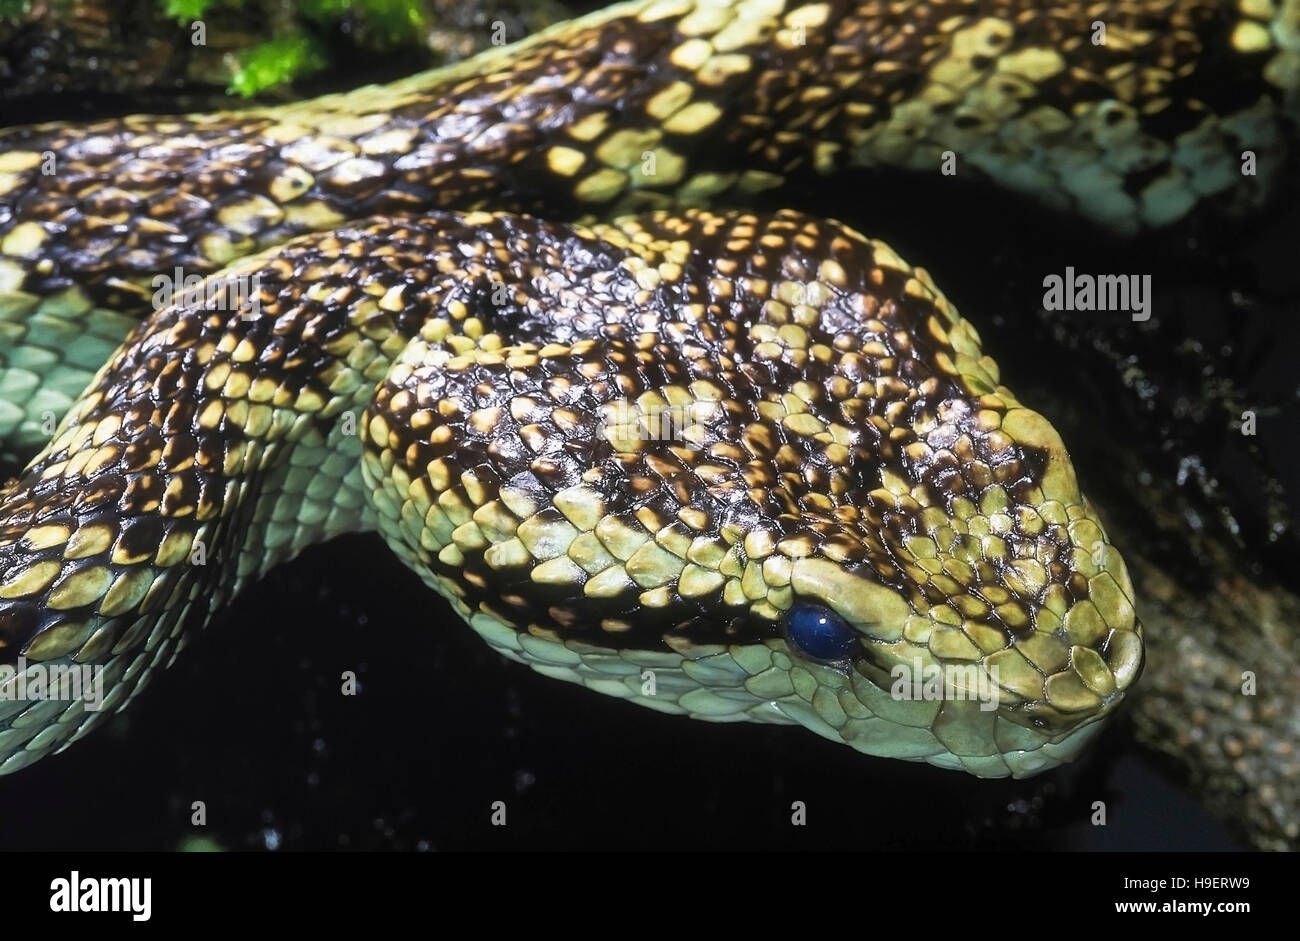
(846, 522)
(1005, 636)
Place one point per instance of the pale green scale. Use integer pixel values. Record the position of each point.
(50, 350)
(315, 495)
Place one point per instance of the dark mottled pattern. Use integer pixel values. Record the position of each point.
(536, 428)
(138, 195)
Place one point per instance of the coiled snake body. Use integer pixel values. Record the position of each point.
(446, 345)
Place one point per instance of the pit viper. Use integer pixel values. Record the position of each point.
(519, 316)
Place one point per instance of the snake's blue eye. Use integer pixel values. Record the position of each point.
(819, 633)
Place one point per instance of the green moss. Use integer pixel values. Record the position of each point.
(295, 49)
(186, 11)
(396, 21)
(14, 10)
(320, 10)
(274, 62)
(391, 22)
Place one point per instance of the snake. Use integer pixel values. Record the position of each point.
(534, 319)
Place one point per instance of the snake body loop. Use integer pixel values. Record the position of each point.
(430, 358)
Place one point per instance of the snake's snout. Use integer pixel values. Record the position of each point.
(968, 692)
(996, 624)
